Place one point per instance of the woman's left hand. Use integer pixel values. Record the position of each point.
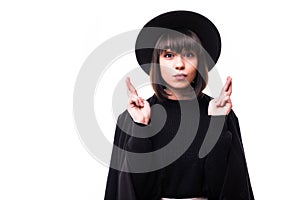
(222, 105)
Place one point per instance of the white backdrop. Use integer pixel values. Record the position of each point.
(43, 45)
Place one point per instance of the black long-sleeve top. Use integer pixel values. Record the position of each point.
(220, 174)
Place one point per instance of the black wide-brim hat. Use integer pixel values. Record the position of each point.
(173, 21)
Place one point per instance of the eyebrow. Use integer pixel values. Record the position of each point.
(182, 51)
(168, 51)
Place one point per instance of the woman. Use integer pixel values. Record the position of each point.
(177, 49)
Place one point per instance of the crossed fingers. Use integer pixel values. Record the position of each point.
(225, 93)
(134, 99)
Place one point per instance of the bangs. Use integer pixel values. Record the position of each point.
(177, 42)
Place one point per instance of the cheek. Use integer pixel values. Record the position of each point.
(193, 72)
(165, 64)
(164, 71)
(166, 68)
(194, 68)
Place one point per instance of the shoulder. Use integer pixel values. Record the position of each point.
(204, 101)
(206, 97)
(152, 100)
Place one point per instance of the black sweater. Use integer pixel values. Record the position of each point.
(176, 134)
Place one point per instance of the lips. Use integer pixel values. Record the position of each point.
(180, 76)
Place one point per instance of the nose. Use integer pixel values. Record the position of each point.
(179, 65)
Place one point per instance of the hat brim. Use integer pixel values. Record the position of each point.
(174, 20)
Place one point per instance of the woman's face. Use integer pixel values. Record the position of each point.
(178, 69)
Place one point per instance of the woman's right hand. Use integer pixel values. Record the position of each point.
(138, 108)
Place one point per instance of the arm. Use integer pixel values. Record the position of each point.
(225, 166)
(227, 160)
(124, 185)
(237, 181)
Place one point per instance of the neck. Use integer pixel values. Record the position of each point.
(180, 94)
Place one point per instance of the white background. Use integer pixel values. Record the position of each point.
(43, 45)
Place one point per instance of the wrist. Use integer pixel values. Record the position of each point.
(144, 121)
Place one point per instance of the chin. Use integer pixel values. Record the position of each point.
(181, 86)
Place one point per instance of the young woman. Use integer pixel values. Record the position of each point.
(179, 122)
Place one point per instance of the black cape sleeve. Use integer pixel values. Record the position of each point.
(227, 175)
(237, 181)
(125, 185)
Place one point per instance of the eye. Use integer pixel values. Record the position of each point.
(189, 54)
(168, 55)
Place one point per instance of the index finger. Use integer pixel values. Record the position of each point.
(227, 87)
(130, 88)
(230, 88)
